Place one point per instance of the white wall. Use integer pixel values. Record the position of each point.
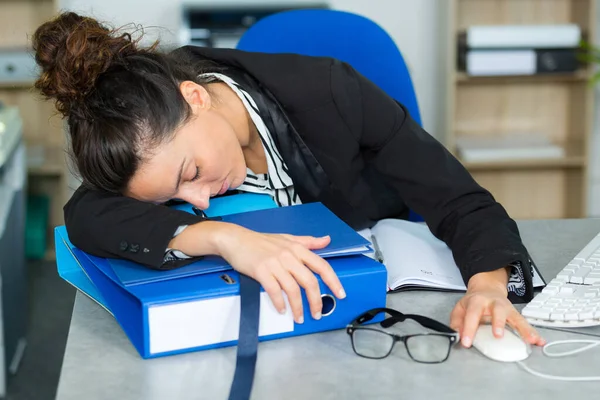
(594, 178)
(411, 23)
(160, 18)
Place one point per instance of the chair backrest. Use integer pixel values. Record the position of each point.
(346, 36)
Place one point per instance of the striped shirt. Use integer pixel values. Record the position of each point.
(276, 182)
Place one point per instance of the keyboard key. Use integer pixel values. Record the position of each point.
(567, 289)
(587, 313)
(588, 250)
(564, 276)
(557, 316)
(592, 262)
(542, 297)
(540, 313)
(550, 289)
(571, 316)
(535, 304)
(580, 275)
(593, 277)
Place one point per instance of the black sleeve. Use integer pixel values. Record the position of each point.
(113, 226)
(430, 180)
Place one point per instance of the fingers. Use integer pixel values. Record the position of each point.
(499, 314)
(316, 263)
(309, 242)
(294, 267)
(290, 287)
(273, 289)
(292, 274)
(471, 322)
(323, 268)
(309, 282)
(457, 317)
(524, 329)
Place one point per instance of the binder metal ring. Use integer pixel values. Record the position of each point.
(329, 304)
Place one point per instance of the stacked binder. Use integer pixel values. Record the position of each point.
(500, 50)
(197, 307)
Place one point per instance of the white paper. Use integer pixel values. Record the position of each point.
(196, 323)
(414, 256)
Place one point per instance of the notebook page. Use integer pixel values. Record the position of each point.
(366, 233)
(413, 256)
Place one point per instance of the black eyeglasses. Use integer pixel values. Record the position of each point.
(430, 348)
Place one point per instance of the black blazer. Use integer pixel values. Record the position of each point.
(346, 144)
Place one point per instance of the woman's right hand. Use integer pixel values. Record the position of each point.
(281, 262)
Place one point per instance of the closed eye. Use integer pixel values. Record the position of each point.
(197, 176)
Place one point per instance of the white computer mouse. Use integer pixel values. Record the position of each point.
(509, 348)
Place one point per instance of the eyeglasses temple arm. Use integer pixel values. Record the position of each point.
(369, 315)
(424, 321)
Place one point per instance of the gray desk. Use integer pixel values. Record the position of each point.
(100, 363)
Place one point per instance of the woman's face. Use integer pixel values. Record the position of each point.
(203, 159)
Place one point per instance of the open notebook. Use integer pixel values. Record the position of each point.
(416, 259)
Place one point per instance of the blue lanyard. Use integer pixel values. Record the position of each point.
(248, 339)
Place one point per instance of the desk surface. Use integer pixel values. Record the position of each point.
(100, 363)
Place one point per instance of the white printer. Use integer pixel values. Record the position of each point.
(13, 283)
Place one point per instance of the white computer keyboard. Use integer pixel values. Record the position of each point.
(572, 298)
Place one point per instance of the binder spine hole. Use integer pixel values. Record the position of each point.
(228, 279)
(328, 304)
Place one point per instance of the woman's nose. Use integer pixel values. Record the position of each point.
(199, 198)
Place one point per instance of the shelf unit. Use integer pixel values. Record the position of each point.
(43, 129)
(559, 106)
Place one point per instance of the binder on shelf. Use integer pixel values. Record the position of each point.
(202, 311)
(517, 61)
(507, 148)
(540, 36)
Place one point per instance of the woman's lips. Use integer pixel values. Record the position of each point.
(224, 187)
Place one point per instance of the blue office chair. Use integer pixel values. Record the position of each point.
(348, 37)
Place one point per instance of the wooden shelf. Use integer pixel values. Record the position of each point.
(19, 85)
(51, 162)
(579, 76)
(47, 170)
(43, 129)
(565, 162)
(574, 158)
(558, 107)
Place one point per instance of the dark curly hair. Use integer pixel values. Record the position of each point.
(120, 100)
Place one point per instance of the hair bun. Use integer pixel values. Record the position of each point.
(72, 51)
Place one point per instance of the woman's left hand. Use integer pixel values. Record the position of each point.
(486, 298)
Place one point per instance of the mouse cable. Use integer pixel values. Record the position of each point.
(590, 345)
